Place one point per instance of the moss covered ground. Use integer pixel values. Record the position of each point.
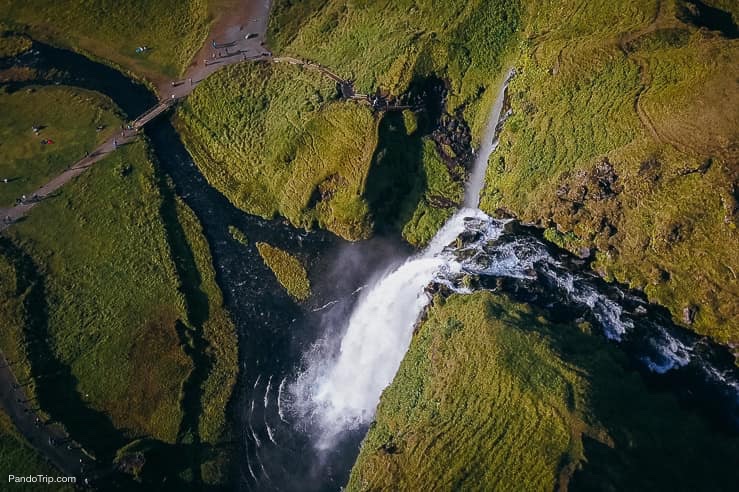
(493, 396)
(67, 116)
(623, 138)
(112, 30)
(289, 271)
(111, 360)
(12, 44)
(272, 138)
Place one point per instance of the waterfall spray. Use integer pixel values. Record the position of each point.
(344, 394)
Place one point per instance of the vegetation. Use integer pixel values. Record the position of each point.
(66, 116)
(388, 43)
(289, 271)
(272, 140)
(238, 235)
(172, 30)
(111, 360)
(12, 44)
(623, 136)
(493, 396)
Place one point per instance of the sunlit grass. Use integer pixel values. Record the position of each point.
(289, 271)
(581, 70)
(67, 116)
(492, 396)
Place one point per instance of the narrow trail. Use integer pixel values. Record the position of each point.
(49, 439)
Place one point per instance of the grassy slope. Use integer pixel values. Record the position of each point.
(388, 43)
(593, 80)
(113, 29)
(289, 271)
(269, 140)
(26, 162)
(217, 351)
(267, 137)
(95, 244)
(127, 362)
(19, 459)
(492, 396)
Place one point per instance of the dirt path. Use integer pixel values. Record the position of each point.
(48, 439)
(241, 20)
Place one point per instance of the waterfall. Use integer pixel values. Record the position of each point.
(488, 145)
(341, 393)
(344, 394)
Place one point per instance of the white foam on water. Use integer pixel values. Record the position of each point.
(280, 389)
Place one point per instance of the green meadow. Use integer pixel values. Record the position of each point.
(27, 163)
(111, 30)
(111, 360)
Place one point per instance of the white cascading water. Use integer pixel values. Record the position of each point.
(342, 393)
(379, 331)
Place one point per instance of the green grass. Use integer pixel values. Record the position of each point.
(389, 43)
(69, 118)
(18, 458)
(492, 396)
(112, 361)
(238, 235)
(12, 45)
(216, 355)
(94, 245)
(575, 104)
(113, 29)
(273, 141)
(289, 271)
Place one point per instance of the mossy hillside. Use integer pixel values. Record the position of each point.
(623, 136)
(493, 396)
(271, 138)
(112, 30)
(289, 271)
(95, 245)
(389, 43)
(214, 348)
(19, 459)
(12, 44)
(67, 116)
(110, 360)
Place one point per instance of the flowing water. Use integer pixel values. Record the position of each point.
(311, 376)
(339, 392)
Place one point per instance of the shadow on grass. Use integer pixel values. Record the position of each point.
(56, 386)
(397, 180)
(191, 337)
(653, 442)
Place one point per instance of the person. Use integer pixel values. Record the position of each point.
(115, 143)
(190, 80)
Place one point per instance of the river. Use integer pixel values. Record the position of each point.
(311, 375)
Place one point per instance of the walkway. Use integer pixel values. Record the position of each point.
(235, 27)
(48, 439)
